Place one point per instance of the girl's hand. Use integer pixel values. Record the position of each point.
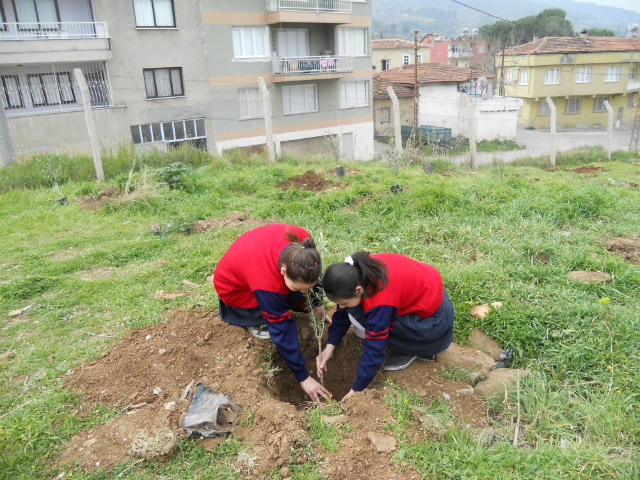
(351, 392)
(319, 311)
(326, 355)
(314, 389)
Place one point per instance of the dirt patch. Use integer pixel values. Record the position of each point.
(196, 345)
(358, 201)
(311, 182)
(348, 171)
(213, 223)
(89, 203)
(628, 248)
(94, 274)
(586, 169)
(67, 254)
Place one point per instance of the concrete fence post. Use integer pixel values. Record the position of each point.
(552, 129)
(609, 108)
(266, 98)
(471, 108)
(91, 125)
(397, 130)
(7, 153)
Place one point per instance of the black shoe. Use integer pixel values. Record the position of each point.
(260, 332)
(428, 358)
(397, 362)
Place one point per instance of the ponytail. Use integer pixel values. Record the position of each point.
(341, 279)
(301, 259)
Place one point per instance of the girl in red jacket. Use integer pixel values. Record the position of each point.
(389, 300)
(262, 276)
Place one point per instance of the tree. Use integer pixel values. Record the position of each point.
(600, 32)
(548, 23)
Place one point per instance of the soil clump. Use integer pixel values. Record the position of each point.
(310, 181)
(586, 169)
(233, 219)
(89, 203)
(628, 248)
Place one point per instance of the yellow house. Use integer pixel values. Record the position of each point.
(391, 53)
(579, 74)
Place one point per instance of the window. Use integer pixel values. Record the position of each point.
(32, 12)
(405, 60)
(523, 76)
(292, 43)
(11, 97)
(153, 13)
(454, 63)
(508, 76)
(176, 132)
(251, 103)
(632, 73)
(583, 75)
(464, 64)
(612, 74)
(51, 89)
(352, 41)
(552, 76)
(544, 110)
(249, 42)
(630, 100)
(480, 48)
(572, 105)
(386, 65)
(419, 58)
(598, 105)
(163, 82)
(354, 94)
(385, 115)
(2, 18)
(299, 99)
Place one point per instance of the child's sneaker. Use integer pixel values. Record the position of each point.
(397, 362)
(260, 332)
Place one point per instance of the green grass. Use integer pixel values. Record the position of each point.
(509, 213)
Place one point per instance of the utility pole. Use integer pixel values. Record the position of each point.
(502, 74)
(635, 129)
(415, 93)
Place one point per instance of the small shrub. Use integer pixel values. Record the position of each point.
(172, 174)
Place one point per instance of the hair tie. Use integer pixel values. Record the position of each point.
(349, 260)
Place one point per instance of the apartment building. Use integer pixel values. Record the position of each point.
(145, 86)
(315, 58)
(579, 74)
(466, 51)
(391, 53)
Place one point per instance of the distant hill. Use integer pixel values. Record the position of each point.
(401, 17)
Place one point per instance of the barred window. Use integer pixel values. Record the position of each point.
(11, 97)
(385, 115)
(51, 89)
(598, 105)
(163, 82)
(572, 105)
(173, 131)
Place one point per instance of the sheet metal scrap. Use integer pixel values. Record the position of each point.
(210, 414)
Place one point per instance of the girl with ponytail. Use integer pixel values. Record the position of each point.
(262, 276)
(390, 301)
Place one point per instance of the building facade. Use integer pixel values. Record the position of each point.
(393, 53)
(579, 74)
(164, 72)
(467, 51)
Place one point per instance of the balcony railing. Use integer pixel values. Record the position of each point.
(317, 6)
(312, 65)
(633, 85)
(460, 54)
(53, 30)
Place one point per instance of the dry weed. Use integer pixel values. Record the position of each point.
(150, 447)
(245, 463)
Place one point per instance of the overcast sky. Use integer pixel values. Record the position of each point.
(628, 4)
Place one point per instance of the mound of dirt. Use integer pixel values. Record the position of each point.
(91, 204)
(586, 169)
(147, 372)
(310, 181)
(628, 248)
(231, 221)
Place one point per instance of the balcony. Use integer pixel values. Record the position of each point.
(295, 69)
(24, 43)
(460, 54)
(633, 85)
(309, 11)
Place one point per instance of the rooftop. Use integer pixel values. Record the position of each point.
(389, 43)
(402, 77)
(576, 45)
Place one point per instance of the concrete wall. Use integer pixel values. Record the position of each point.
(406, 115)
(66, 132)
(441, 105)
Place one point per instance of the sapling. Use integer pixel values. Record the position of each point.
(317, 321)
(396, 161)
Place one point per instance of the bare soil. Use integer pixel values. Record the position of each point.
(347, 171)
(310, 181)
(213, 223)
(92, 204)
(587, 169)
(196, 345)
(628, 248)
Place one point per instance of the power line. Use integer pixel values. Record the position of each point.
(481, 11)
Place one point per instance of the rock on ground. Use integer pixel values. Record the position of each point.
(467, 358)
(590, 277)
(480, 340)
(496, 381)
(236, 216)
(382, 443)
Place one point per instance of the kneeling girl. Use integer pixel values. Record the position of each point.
(389, 300)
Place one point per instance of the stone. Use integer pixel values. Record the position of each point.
(469, 359)
(446, 396)
(189, 284)
(236, 216)
(168, 294)
(285, 472)
(589, 277)
(382, 443)
(207, 337)
(466, 391)
(496, 381)
(162, 351)
(15, 313)
(480, 340)
(481, 311)
(334, 419)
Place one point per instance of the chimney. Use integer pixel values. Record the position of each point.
(535, 39)
(583, 34)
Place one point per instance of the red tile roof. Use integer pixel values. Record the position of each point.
(389, 43)
(575, 45)
(402, 78)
